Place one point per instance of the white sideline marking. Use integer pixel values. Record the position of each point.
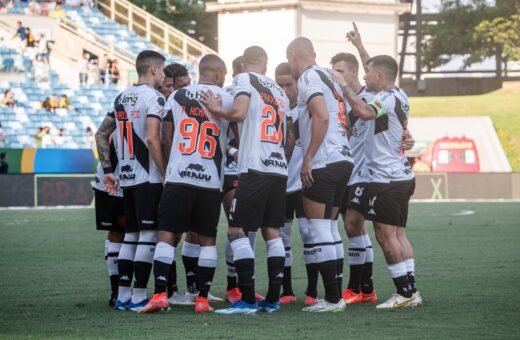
(464, 213)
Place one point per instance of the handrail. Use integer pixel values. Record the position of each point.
(170, 39)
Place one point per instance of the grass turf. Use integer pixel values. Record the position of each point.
(54, 283)
(502, 107)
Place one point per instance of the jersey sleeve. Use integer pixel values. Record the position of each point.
(311, 86)
(242, 85)
(383, 103)
(227, 100)
(156, 105)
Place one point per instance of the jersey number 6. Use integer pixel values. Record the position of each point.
(200, 137)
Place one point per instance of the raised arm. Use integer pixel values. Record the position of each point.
(355, 38)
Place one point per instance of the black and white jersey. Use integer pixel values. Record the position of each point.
(317, 81)
(199, 138)
(230, 166)
(131, 109)
(294, 182)
(98, 183)
(385, 160)
(361, 130)
(262, 134)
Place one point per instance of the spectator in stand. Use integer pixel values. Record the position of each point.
(44, 10)
(114, 72)
(105, 69)
(59, 139)
(90, 140)
(32, 9)
(83, 68)
(46, 138)
(2, 136)
(8, 100)
(43, 50)
(57, 12)
(4, 166)
(54, 102)
(20, 33)
(46, 105)
(65, 103)
(39, 137)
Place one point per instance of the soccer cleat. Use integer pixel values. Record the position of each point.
(118, 305)
(112, 300)
(396, 301)
(324, 306)
(213, 298)
(192, 297)
(309, 300)
(417, 301)
(179, 299)
(136, 307)
(259, 297)
(287, 299)
(264, 306)
(202, 305)
(239, 307)
(369, 298)
(351, 298)
(158, 302)
(233, 295)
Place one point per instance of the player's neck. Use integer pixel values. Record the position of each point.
(356, 86)
(145, 80)
(253, 68)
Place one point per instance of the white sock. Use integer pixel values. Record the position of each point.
(340, 252)
(397, 270)
(112, 255)
(231, 270)
(323, 248)
(410, 266)
(356, 250)
(369, 249)
(164, 253)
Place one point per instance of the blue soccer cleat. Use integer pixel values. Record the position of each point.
(119, 305)
(264, 306)
(136, 307)
(239, 307)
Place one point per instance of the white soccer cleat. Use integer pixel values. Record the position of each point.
(213, 298)
(179, 299)
(191, 297)
(417, 301)
(326, 307)
(397, 301)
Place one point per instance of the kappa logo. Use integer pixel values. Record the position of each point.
(161, 278)
(355, 200)
(345, 151)
(125, 277)
(208, 283)
(279, 275)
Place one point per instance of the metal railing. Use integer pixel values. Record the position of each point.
(156, 31)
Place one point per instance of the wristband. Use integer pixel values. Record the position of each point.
(107, 170)
(233, 151)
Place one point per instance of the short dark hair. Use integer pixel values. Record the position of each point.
(254, 55)
(145, 59)
(388, 63)
(348, 58)
(283, 70)
(237, 65)
(175, 70)
(211, 63)
(2, 155)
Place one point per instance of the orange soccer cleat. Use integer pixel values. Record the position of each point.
(309, 300)
(369, 298)
(351, 298)
(233, 295)
(287, 299)
(202, 305)
(158, 302)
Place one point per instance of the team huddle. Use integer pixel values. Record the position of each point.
(311, 144)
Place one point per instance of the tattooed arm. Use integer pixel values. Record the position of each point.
(289, 139)
(167, 135)
(103, 146)
(359, 107)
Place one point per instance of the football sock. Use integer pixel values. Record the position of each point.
(190, 258)
(340, 253)
(162, 260)
(231, 270)
(245, 265)
(113, 272)
(310, 264)
(125, 266)
(275, 268)
(356, 262)
(172, 279)
(143, 263)
(285, 232)
(400, 278)
(410, 271)
(324, 251)
(367, 285)
(206, 269)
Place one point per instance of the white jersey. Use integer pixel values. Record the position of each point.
(199, 138)
(98, 183)
(132, 107)
(361, 131)
(385, 161)
(230, 166)
(317, 81)
(294, 182)
(262, 134)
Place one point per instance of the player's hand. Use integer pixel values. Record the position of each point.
(354, 37)
(212, 102)
(110, 182)
(339, 77)
(407, 140)
(306, 172)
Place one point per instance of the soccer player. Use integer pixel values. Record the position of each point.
(138, 111)
(110, 216)
(293, 199)
(266, 138)
(392, 181)
(326, 167)
(192, 195)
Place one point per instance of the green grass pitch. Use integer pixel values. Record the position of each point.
(53, 283)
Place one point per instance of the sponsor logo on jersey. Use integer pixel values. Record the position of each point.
(126, 173)
(126, 168)
(276, 160)
(121, 115)
(132, 99)
(195, 172)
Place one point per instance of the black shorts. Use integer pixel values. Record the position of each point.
(141, 204)
(355, 198)
(294, 205)
(329, 185)
(187, 208)
(230, 182)
(259, 201)
(388, 202)
(110, 212)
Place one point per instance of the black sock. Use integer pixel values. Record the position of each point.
(190, 266)
(231, 282)
(275, 269)
(205, 277)
(287, 282)
(411, 280)
(312, 279)
(354, 280)
(172, 279)
(126, 272)
(367, 285)
(339, 275)
(160, 273)
(403, 286)
(114, 283)
(328, 273)
(142, 272)
(246, 282)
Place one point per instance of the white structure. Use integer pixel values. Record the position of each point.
(272, 24)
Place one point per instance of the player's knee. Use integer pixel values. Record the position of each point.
(269, 233)
(192, 237)
(354, 225)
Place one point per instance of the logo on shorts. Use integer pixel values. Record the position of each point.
(195, 172)
(371, 205)
(276, 160)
